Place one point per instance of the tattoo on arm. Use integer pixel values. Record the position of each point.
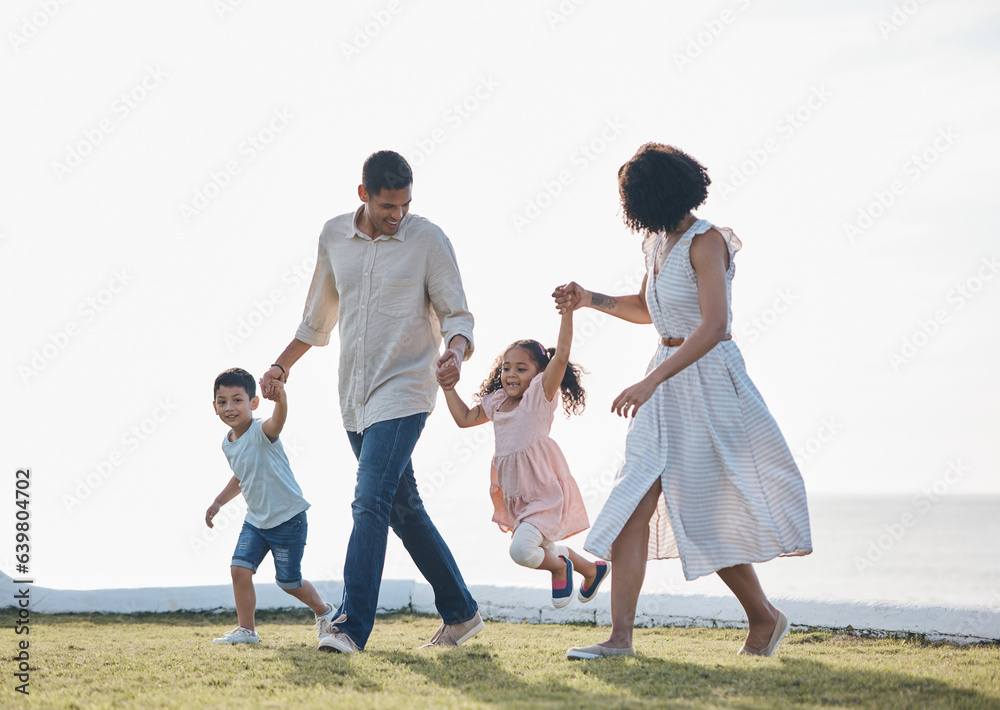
(602, 301)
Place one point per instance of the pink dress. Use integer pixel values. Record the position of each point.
(529, 477)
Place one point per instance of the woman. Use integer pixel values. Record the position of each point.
(707, 475)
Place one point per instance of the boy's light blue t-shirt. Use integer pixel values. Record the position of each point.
(266, 479)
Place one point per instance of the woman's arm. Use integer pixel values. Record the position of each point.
(710, 259)
(631, 308)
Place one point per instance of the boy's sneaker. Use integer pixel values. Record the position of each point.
(334, 640)
(238, 635)
(324, 620)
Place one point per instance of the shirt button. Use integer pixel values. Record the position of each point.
(364, 306)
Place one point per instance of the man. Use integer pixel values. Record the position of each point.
(391, 280)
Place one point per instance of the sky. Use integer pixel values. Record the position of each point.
(167, 169)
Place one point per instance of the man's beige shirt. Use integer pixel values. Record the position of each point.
(394, 298)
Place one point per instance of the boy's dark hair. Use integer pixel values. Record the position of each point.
(385, 170)
(573, 393)
(658, 186)
(236, 377)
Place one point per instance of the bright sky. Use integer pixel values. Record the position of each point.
(168, 168)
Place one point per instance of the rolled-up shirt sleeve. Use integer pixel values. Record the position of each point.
(447, 296)
(322, 303)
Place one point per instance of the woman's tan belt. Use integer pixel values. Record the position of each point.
(674, 342)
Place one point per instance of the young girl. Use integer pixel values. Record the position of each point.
(532, 489)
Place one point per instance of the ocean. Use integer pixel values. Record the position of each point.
(943, 551)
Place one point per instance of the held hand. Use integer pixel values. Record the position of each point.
(211, 513)
(277, 390)
(628, 402)
(449, 369)
(270, 383)
(570, 297)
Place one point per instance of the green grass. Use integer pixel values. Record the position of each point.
(168, 661)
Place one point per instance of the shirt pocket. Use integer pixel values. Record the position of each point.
(400, 298)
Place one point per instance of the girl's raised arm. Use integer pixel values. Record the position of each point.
(461, 413)
(554, 371)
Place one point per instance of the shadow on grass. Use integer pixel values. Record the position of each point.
(480, 674)
(777, 683)
(475, 673)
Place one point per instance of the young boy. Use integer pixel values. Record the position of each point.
(276, 510)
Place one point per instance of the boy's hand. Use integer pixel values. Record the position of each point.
(211, 513)
(273, 376)
(277, 391)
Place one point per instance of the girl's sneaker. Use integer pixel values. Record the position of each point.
(562, 597)
(603, 570)
(238, 635)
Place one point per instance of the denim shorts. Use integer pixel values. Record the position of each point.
(286, 543)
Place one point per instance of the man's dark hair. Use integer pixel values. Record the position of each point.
(658, 186)
(236, 377)
(385, 170)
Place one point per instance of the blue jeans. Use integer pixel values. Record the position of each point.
(386, 495)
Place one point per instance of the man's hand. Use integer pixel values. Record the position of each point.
(449, 368)
(570, 297)
(271, 383)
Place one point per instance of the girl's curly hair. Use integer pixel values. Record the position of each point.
(658, 186)
(573, 394)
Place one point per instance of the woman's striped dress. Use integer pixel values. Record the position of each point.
(732, 493)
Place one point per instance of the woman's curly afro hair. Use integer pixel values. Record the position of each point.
(658, 186)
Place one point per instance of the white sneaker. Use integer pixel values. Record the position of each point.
(238, 635)
(323, 620)
(334, 640)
